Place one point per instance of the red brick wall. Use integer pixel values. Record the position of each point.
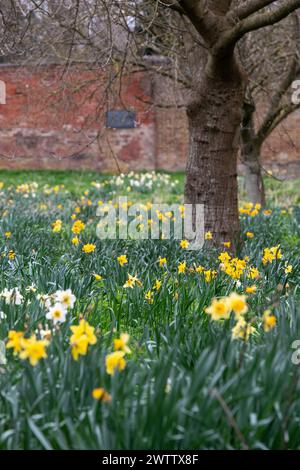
(52, 123)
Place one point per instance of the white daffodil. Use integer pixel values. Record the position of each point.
(65, 298)
(44, 299)
(57, 314)
(31, 288)
(12, 296)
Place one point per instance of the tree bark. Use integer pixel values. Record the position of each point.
(214, 118)
(250, 156)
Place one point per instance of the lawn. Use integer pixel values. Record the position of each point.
(126, 344)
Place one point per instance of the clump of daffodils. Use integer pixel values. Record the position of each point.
(271, 254)
(57, 304)
(12, 296)
(250, 209)
(31, 348)
(221, 309)
(233, 267)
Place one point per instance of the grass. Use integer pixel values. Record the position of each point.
(187, 384)
(279, 193)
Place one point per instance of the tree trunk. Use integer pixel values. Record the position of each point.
(214, 118)
(253, 182)
(250, 157)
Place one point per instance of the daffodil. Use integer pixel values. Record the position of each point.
(121, 343)
(57, 314)
(181, 267)
(242, 330)
(75, 241)
(238, 304)
(122, 259)
(269, 320)
(219, 309)
(33, 349)
(65, 297)
(57, 226)
(162, 261)
(115, 361)
(83, 336)
(132, 281)
(15, 341)
(149, 296)
(250, 289)
(101, 394)
(157, 284)
(88, 248)
(271, 254)
(184, 244)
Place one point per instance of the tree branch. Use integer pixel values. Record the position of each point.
(246, 9)
(254, 22)
(204, 20)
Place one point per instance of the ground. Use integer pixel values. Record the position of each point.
(197, 350)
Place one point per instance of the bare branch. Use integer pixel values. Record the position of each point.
(246, 9)
(254, 22)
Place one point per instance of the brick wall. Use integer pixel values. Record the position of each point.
(52, 123)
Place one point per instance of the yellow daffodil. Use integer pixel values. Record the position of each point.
(122, 259)
(75, 241)
(121, 343)
(115, 361)
(132, 281)
(238, 304)
(89, 248)
(83, 336)
(78, 227)
(149, 296)
(15, 341)
(219, 309)
(33, 349)
(250, 289)
(57, 226)
(11, 255)
(162, 262)
(271, 254)
(101, 394)
(184, 244)
(157, 284)
(181, 267)
(227, 244)
(242, 330)
(269, 320)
